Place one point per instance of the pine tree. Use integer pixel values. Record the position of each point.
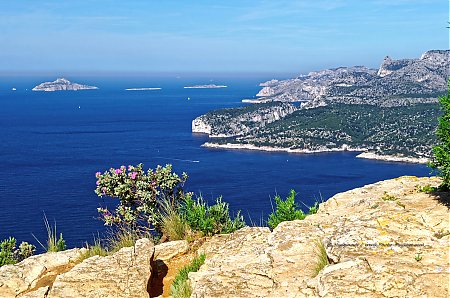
(441, 152)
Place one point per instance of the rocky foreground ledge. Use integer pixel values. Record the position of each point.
(386, 239)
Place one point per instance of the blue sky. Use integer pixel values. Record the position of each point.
(215, 36)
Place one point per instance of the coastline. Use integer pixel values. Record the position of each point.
(277, 149)
(363, 154)
(370, 155)
(259, 100)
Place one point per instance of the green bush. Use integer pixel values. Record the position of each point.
(441, 152)
(388, 197)
(180, 287)
(426, 188)
(314, 208)
(288, 210)
(7, 248)
(10, 255)
(210, 220)
(140, 194)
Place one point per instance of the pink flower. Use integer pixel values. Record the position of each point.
(130, 168)
(97, 182)
(104, 190)
(97, 174)
(118, 171)
(133, 175)
(123, 168)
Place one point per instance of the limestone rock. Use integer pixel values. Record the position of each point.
(382, 240)
(239, 121)
(199, 125)
(123, 274)
(168, 250)
(35, 271)
(266, 91)
(236, 266)
(39, 293)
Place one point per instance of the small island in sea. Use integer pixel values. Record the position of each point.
(143, 89)
(62, 84)
(209, 86)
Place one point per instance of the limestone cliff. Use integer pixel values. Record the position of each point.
(396, 83)
(239, 121)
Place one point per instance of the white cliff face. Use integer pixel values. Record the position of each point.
(382, 71)
(200, 126)
(62, 84)
(224, 124)
(266, 91)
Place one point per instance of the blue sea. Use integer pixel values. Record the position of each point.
(52, 143)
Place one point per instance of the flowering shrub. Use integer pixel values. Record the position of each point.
(140, 193)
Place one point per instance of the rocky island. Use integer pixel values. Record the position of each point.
(209, 86)
(388, 114)
(143, 89)
(62, 84)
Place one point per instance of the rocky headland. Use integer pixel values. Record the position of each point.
(62, 84)
(389, 113)
(387, 239)
(240, 121)
(404, 134)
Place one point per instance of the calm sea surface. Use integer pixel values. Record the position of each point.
(52, 143)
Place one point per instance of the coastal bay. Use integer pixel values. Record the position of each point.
(55, 148)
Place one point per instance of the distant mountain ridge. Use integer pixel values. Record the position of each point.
(395, 83)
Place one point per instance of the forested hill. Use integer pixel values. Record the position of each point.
(403, 131)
